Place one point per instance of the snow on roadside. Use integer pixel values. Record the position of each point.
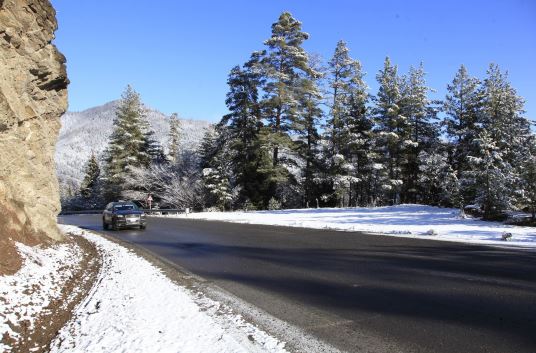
(414, 221)
(26, 294)
(135, 308)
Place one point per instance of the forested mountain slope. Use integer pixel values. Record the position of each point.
(86, 132)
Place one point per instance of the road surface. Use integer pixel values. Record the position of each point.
(359, 292)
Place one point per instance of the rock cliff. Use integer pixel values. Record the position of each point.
(33, 96)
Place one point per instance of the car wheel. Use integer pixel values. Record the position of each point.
(143, 227)
(114, 225)
(104, 225)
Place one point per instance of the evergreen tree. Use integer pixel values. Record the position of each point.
(350, 126)
(438, 181)
(492, 176)
(90, 190)
(528, 177)
(282, 64)
(503, 115)
(174, 138)
(152, 146)
(464, 114)
(422, 130)
(361, 147)
(217, 184)
(216, 165)
(345, 81)
(392, 128)
(92, 173)
(243, 125)
(310, 113)
(128, 143)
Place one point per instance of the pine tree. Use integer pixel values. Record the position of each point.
(345, 79)
(438, 181)
(128, 143)
(350, 126)
(422, 131)
(464, 115)
(216, 167)
(218, 185)
(504, 123)
(503, 115)
(92, 173)
(174, 138)
(282, 64)
(243, 125)
(528, 178)
(392, 128)
(152, 146)
(361, 146)
(309, 116)
(492, 176)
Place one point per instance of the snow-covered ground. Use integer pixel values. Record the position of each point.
(26, 294)
(135, 308)
(416, 221)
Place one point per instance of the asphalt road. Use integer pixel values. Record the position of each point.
(359, 292)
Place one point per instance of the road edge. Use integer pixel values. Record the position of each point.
(296, 340)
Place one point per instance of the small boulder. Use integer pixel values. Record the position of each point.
(506, 236)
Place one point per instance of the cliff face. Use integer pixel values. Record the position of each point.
(33, 96)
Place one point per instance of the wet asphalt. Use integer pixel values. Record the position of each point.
(355, 291)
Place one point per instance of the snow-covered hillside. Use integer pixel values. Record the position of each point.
(85, 132)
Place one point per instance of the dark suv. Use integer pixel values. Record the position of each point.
(123, 214)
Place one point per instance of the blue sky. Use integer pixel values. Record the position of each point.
(177, 54)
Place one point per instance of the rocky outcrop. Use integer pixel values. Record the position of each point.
(33, 96)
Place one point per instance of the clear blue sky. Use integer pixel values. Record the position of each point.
(177, 54)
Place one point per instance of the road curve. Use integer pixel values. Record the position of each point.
(359, 292)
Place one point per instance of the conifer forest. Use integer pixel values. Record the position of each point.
(302, 132)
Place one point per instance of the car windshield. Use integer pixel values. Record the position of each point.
(126, 207)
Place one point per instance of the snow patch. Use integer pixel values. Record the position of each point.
(136, 308)
(413, 221)
(27, 293)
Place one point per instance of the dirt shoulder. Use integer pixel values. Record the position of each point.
(36, 336)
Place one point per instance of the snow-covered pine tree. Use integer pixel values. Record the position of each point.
(91, 178)
(350, 126)
(217, 167)
(438, 181)
(361, 147)
(152, 146)
(392, 128)
(503, 110)
(127, 145)
(423, 130)
(174, 137)
(463, 107)
(306, 124)
(492, 175)
(217, 184)
(342, 69)
(503, 119)
(528, 178)
(243, 125)
(378, 183)
(282, 63)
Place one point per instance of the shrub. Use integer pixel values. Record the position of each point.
(274, 204)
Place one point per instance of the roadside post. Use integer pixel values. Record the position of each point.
(149, 201)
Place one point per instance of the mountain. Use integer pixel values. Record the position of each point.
(87, 131)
